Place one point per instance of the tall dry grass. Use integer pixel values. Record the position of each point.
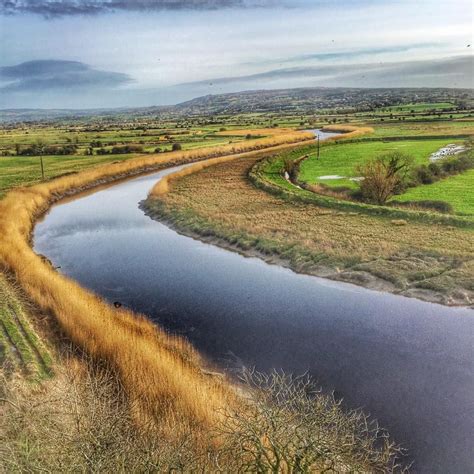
(160, 373)
(163, 186)
(350, 131)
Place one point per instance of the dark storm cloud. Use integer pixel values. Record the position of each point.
(57, 74)
(54, 8)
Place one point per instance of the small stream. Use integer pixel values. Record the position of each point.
(406, 362)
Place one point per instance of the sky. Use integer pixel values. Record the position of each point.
(117, 53)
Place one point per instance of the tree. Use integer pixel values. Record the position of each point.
(384, 176)
(176, 147)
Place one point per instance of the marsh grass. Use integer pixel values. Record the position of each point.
(337, 243)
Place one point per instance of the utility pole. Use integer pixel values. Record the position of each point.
(318, 147)
(42, 168)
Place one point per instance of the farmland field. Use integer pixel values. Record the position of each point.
(341, 159)
(456, 190)
(26, 170)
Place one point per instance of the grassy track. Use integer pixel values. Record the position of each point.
(20, 347)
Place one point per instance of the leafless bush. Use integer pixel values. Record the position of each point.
(288, 426)
(81, 421)
(384, 176)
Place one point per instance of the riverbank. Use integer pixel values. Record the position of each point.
(429, 261)
(154, 381)
(175, 382)
(161, 375)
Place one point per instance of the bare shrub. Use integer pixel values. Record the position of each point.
(81, 421)
(289, 426)
(385, 176)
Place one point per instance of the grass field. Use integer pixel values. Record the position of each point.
(456, 190)
(341, 159)
(420, 107)
(428, 127)
(26, 170)
(413, 259)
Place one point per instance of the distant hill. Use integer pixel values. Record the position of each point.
(302, 100)
(311, 99)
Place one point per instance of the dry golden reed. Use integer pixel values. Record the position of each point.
(350, 131)
(163, 186)
(160, 373)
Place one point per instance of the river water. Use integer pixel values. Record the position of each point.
(406, 362)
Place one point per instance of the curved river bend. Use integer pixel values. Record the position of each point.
(406, 362)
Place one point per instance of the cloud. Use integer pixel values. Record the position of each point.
(44, 75)
(354, 54)
(56, 8)
(444, 72)
(38, 86)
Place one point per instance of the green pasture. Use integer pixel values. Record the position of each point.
(342, 158)
(456, 190)
(26, 170)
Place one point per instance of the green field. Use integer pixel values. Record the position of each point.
(456, 190)
(420, 107)
(83, 139)
(341, 159)
(26, 170)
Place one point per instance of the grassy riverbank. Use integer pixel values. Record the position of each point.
(161, 374)
(128, 396)
(428, 260)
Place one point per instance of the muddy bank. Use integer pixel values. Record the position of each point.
(366, 275)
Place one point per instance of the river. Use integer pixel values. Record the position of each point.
(406, 362)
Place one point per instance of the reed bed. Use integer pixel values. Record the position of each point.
(350, 131)
(160, 373)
